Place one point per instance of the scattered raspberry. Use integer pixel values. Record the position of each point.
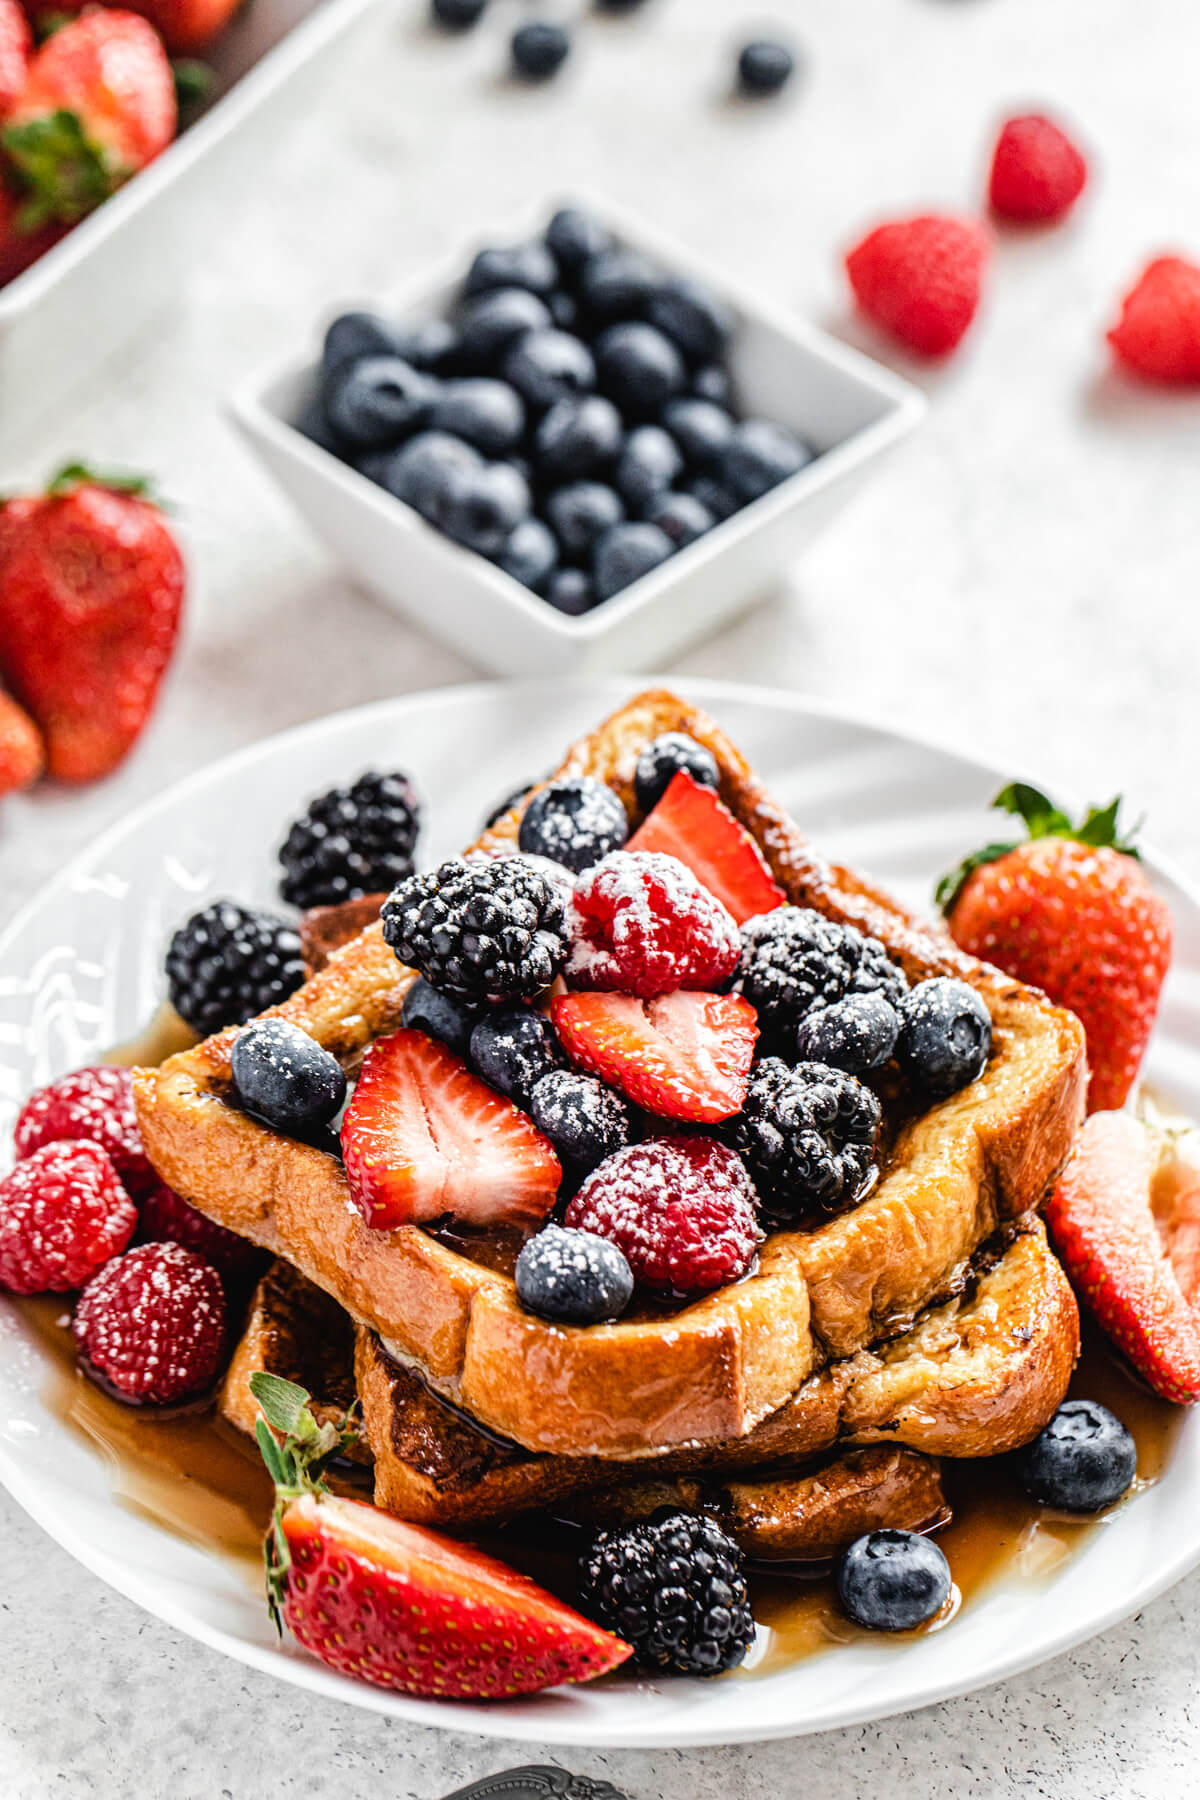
(152, 1324)
(920, 279)
(94, 1104)
(1037, 173)
(63, 1213)
(1158, 333)
(642, 924)
(681, 1208)
(22, 753)
(168, 1218)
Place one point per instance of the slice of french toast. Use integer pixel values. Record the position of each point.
(716, 1369)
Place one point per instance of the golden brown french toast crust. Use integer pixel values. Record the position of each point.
(717, 1368)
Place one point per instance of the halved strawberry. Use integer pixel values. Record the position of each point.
(1125, 1227)
(692, 823)
(680, 1056)
(394, 1604)
(422, 1136)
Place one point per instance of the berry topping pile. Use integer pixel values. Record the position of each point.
(795, 960)
(95, 1104)
(808, 1134)
(152, 1324)
(63, 1213)
(351, 841)
(681, 1208)
(674, 1588)
(484, 931)
(642, 924)
(229, 962)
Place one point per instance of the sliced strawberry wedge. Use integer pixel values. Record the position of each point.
(680, 1056)
(1125, 1226)
(422, 1137)
(690, 822)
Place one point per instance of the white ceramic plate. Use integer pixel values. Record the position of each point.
(79, 970)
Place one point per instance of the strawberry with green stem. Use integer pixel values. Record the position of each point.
(397, 1605)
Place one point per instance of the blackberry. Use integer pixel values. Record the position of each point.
(483, 931)
(351, 841)
(228, 963)
(674, 1588)
(794, 959)
(807, 1134)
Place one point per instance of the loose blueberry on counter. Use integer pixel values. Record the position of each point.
(661, 761)
(692, 317)
(440, 1015)
(457, 15)
(764, 67)
(578, 437)
(759, 456)
(1083, 1460)
(422, 472)
(616, 284)
(515, 265)
(626, 553)
(378, 400)
(579, 512)
(714, 497)
(573, 1277)
(856, 1034)
(490, 323)
(945, 1035)
(530, 556)
(488, 414)
(573, 235)
(681, 516)
(892, 1580)
(638, 368)
(574, 821)
(648, 464)
(546, 366)
(584, 1120)
(701, 429)
(483, 508)
(571, 592)
(513, 1047)
(284, 1076)
(712, 383)
(539, 49)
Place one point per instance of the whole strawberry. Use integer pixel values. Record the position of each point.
(97, 105)
(91, 590)
(1157, 336)
(22, 753)
(1070, 911)
(1037, 172)
(921, 279)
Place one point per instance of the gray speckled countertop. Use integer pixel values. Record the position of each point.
(1024, 580)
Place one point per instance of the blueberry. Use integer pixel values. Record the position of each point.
(564, 309)
(356, 335)
(530, 555)
(574, 821)
(539, 49)
(580, 511)
(512, 1047)
(854, 1034)
(1083, 1460)
(661, 761)
(457, 15)
(624, 554)
(483, 507)
(649, 463)
(441, 1016)
(616, 284)
(574, 235)
(712, 383)
(573, 1277)
(517, 265)
(375, 465)
(378, 400)
(759, 456)
(584, 1120)
(681, 516)
(701, 429)
(488, 414)
(421, 472)
(945, 1035)
(490, 323)
(764, 67)
(715, 497)
(285, 1077)
(577, 437)
(892, 1580)
(546, 366)
(314, 425)
(571, 592)
(692, 317)
(638, 368)
(429, 344)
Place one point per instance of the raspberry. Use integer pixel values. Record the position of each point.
(1158, 333)
(681, 1208)
(95, 1104)
(920, 279)
(168, 1218)
(1037, 173)
(63, 1213)
(152, 1324)
(642, 924)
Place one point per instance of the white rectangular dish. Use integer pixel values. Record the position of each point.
(848, 407)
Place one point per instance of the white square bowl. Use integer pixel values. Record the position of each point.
(95, 289)
(848, 407)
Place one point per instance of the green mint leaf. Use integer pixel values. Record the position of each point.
(284, 1404)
